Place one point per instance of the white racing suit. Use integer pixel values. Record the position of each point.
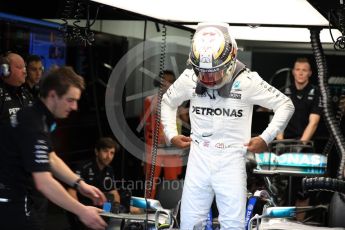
(221, 125)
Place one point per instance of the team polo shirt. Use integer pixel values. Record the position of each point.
(12, 99)
(101, 179)
(306, 102)
(25, 148)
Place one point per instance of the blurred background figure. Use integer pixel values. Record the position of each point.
(13, 96)
(304, 122)
(29, 161)
(99, 173)
(169, 164)
(306, 99)
(34, 68)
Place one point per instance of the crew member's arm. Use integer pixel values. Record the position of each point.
(73, 193)
(64, 173)
(311, 127)
(280, 136)
(314, 118)
(55, 192)
(116, 195)
(35, 151)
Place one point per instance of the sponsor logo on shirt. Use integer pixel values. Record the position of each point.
(222, 145)
(206, 144)
(44, 147)
(311, 92)
(235, 95)
(311, 95)
(41, 152)
(270, 88)
(201, 95)
(91, 173)
(226, 112)
(236, 86)
(287, 91)
(13, 111)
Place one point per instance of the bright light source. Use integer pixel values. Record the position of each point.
(256, 12)
(251, 12)
(282, 34)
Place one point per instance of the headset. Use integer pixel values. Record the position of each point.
(5, 65)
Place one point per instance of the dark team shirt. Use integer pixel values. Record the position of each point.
(25, 148)
(12, 99)
(101, 179)
(34, 91)
(306, 102)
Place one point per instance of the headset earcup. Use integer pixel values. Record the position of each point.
(4, 70)
(4, 67)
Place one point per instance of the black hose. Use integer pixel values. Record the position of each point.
(328, 113)
(323, 184)
(329, 145)
(75, 10)
(148, 189)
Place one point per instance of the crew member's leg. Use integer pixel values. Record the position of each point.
(16, 216)
(39, 209)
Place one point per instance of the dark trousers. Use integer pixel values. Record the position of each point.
(17, 216)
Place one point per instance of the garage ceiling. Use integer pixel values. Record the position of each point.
(279, 12)
(264, 13)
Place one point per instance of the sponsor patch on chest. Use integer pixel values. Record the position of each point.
(226, 112)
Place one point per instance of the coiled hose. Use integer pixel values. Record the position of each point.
(330, 119)
(329, 145)
(323, 184)
(149, 185)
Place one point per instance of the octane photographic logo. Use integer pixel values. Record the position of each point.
(142, 62)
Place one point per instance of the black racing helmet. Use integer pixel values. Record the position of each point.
(213, 53)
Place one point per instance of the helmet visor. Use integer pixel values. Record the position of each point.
(212, 78)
